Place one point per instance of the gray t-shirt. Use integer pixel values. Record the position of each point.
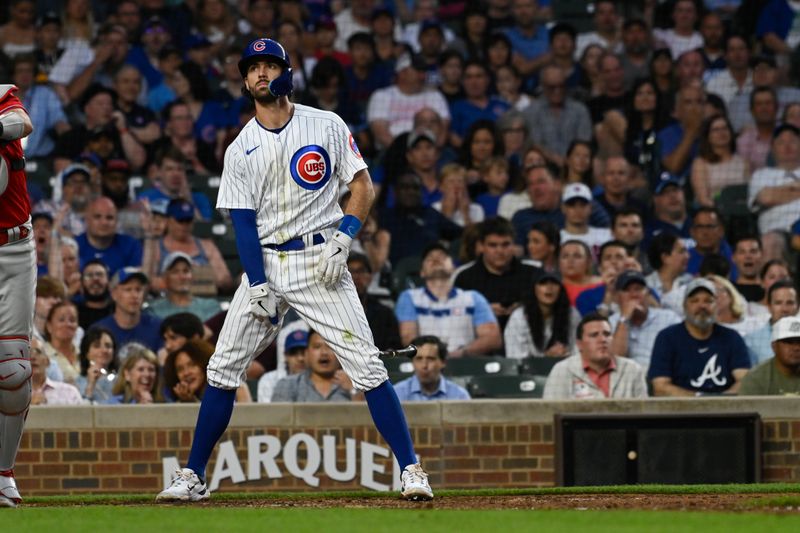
(299, 388)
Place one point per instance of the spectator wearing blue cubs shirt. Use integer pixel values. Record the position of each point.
(698, 356)
(101, 240)
(463, 319)
(428, 383)
(476, 104)
(128, 323)
(708, 234)
(679, 141)
(669, 210)
(529, 40)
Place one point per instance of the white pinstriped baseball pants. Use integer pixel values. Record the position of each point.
(335, 313)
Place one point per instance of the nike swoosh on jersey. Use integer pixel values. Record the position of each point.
(703, 350)
(251, 150)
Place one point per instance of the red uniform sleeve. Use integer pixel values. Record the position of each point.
(9, 100)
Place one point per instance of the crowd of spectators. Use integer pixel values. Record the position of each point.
(547, 186)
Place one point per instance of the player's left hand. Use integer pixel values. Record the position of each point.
(333, 263)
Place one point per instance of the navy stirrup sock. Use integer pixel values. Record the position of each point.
(212, 421)
(387, 413)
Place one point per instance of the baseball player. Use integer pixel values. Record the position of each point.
(280, 184)
(17, 288)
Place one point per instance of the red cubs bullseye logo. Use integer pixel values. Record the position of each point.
(259, 46)
(311, 167)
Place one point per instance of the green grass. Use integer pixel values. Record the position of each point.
(209, 519)
(765, 488)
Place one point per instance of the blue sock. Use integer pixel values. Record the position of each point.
(212, 421)
(387, 413)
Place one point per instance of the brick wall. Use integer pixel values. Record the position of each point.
(478, 444)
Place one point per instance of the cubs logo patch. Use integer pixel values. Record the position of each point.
(354, 146)
(259, 46)
(310, 167)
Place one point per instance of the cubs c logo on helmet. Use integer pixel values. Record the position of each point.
(259, 46)
(311, 167)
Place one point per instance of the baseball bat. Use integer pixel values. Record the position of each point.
(408, 351)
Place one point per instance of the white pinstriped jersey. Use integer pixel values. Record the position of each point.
(290, 177)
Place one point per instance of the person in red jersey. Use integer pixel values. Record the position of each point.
(17, 285)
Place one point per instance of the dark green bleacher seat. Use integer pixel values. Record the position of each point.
(736, 215)
(506, 386)
(397, 377)
(481, 366)
(399, 365)
(405, 274)
(252, 384)
(538, 366)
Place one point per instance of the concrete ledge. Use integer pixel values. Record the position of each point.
(261, 415)
(60, 417)
(178, 416)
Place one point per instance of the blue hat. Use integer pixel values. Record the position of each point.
(665, 180)
(124, 275)
(197, 40)
(431, 24)
(296, 339)
(159, 206)
(263, 48)
(75, 168)
(180, 210)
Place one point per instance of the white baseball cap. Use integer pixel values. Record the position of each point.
(574, 191)
(700, 284)
(787, 327)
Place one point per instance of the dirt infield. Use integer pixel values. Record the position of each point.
(689, 502)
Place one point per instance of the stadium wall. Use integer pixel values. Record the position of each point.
(302, 447)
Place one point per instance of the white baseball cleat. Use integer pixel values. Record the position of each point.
(186, 487)
(414, 484)
(9, 495)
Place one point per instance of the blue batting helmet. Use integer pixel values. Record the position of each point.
(262, 49)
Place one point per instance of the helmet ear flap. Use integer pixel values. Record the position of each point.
(282, 85)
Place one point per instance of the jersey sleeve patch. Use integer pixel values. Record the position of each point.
(354, 147)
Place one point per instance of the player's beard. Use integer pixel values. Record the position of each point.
(263, 96)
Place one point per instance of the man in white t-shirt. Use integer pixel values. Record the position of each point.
(682, 37)
(576, 204)
(774, 192)
(606, 26)
(391, 110)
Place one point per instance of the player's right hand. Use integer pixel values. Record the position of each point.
(263, 304)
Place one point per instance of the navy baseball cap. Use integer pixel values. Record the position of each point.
(296, 339)
(786, 127)
(665, 180)
(124, 275)
(180, 210)
(628, 277)
(261, 49)
(197, 40)
(429, 24)
(75, 168)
